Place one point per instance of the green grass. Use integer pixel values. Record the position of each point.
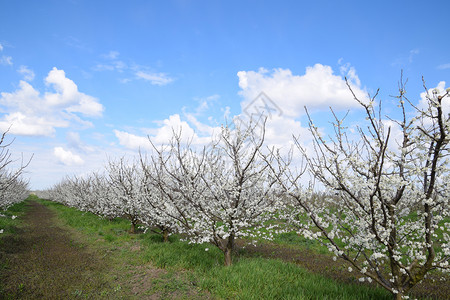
(257, 278)
(91, 224)
(7, 223)
(295, 240)
(248, 278)
(10, 227)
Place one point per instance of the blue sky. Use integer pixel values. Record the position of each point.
(81, 81)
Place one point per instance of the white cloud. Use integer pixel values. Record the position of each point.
(27, 73)
(163, 134)
(205, 103)
(124, 80)
(201, 127)
(30, 113)
(444, 66)
(66, 157)
(117, 65)
(30, 125)
(111, 55)
(77, 43)
(348, 71)
(175, 124)
(103, 67)
(406, 59)
(226, 112)
(6, 60)
(112, 64)
(445, 102)
(68, 96)
(318, 88)
(412, 53)
(154, 78)
(395, 136)
(282, 96)
(280, 132)
(26, 100)
(131, 70)
(75, 142)
(132, 141)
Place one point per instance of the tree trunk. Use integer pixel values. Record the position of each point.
(229, 250)
(133, 227)
(165, 235)
(227, 254)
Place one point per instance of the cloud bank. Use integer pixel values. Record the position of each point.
(28, 112)
(318, 88)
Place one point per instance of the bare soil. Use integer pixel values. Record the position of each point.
(44, 260)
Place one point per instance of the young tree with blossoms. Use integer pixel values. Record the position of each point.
(126, 181)
(387, 212)
(160, 210)
(223, 191)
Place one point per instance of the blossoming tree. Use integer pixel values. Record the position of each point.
(223, 191)
(160, 210)
(127, 188)
(387, 212)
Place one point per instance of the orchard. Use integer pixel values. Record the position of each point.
(379, 201)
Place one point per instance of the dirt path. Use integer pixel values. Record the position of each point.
(43, 262)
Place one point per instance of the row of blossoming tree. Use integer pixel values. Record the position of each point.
(13, 188)
(386, 209)
(212, 194)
